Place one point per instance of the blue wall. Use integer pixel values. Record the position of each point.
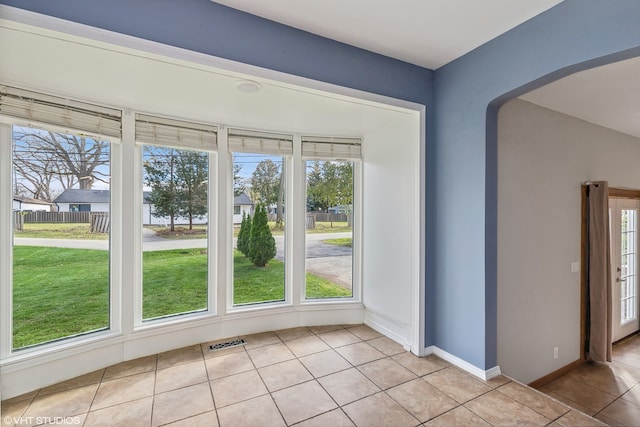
(574, 35)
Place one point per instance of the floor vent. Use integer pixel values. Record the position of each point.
(227, 344)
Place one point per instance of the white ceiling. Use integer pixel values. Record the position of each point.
(608, 96)
(429, 33)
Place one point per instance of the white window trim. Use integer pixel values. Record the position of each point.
(356, 256)
(139, 323)
(240, 140)
(6, 244)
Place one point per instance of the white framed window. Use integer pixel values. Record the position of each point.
(177, 258)
(270, 174)
(59, 153)
(332, 201)
(260, 163)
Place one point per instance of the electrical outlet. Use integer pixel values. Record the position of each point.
(555, 352)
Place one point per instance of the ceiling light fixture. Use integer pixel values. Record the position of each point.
(248, 86)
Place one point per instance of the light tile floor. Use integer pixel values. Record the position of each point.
(608, 391)
(317, 376)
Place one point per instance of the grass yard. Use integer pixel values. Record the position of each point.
(345, 241)
(82, 231)
(60, 230)
(261, 284)
(174, 282)
(58, 293)
(61, 292)
(181, 232)
(321, 227)
(328, 227)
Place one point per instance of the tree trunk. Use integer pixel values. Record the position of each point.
(280, 203)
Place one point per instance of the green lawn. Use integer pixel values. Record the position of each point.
(82, 231)
(62, 292)
(328, 227)
(58, 292)
(321, 227)
(174, 281)
(60, 231)
(181, 232)
(345, 241)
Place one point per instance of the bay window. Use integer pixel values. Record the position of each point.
(66, 263)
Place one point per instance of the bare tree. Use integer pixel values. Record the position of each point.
(44, 160)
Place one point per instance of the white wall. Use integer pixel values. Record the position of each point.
(95, 207)
(244, 210)
(26, 206)
(543, 157)
(390, 215)
(149, 219)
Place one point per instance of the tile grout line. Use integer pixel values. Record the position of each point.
(255, 368)
(209, 380)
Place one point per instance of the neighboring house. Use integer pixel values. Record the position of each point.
(242, 204)
(76, 200)
(27, 204)
(150, 218)
(341, 209)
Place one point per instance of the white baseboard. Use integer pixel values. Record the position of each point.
(388, 327)
(463, 364)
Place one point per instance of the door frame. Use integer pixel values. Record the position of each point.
(620, 193)
(621, 331)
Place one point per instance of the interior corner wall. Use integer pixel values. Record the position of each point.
(543, 157)
(572, 36)
(391, 183)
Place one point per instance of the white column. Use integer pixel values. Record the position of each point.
(129, 287)
(6, 240)
(296, 206)
(225, 225)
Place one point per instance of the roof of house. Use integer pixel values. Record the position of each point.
(242, 199)
(75, 195)
(31, 200)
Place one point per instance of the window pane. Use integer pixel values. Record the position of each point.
(174, 235)
(258, 254)
(61, 210)
(329, 225)
(628, 265)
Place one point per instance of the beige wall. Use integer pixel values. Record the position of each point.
(543, 157)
